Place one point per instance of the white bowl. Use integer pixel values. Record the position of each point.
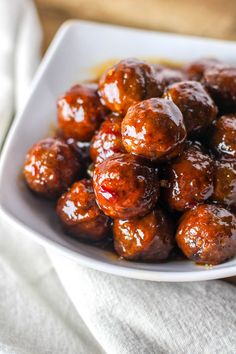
(78, 47)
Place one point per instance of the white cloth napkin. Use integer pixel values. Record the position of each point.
(53, 305)
(20, 39)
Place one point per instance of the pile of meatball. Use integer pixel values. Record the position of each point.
(146, 154)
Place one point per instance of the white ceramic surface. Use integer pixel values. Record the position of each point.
(78, 47)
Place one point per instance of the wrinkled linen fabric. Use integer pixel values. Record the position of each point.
(134, 316)
(20, 40)
(49, 304)
(36, 314)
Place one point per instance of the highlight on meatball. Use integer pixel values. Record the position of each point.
(50, 167)
(154, 129)
(126, 83)
(197, 107)
(108, 140)
(188, 179)
(80, 112)
(90, 170)
(207, 234)
(149, 238)
(80, 214)
(223, 140)
(221, 84)
(225, 183)
(125, 186)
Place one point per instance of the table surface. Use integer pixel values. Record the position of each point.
(204, 18)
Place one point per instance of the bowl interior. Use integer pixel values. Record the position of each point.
(77, 49)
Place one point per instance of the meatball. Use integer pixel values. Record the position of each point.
(81, 149)
(79, 213)
(154, 129)
(50, 167)
(221, 84)
(207, 234)
(126, 83)
(196, 69)
(107, 141)
(167, 76)
(80, 112)
(223, 140)
(188, 179)
(125, 186)
(225, 183)
(149, 238)
(196, 105)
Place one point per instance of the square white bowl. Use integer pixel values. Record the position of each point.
(78, 47)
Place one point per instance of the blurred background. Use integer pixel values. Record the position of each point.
(211, 18)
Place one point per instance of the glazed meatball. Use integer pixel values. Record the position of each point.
(154, 129)
(189, 179)
(81, 149)
(196, 69)
(167, 76)
(107, 141)
(80, 112)
(149, 238)
(207, 234)
(221, 84)
(50, 167)
(126, 83)
(79, 213)
(125, 186)
(223, 140)
(225, 183)
(197, 107)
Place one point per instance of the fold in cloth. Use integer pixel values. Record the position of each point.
(98, 312)
(36, 314)
(134, 316)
